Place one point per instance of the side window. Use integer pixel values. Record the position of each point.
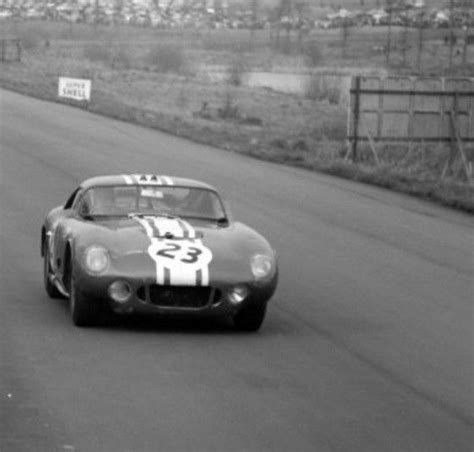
(71, 199)
(82, 204)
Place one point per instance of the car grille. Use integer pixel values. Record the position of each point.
(179, 296)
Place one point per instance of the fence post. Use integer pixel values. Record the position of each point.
(355, 125)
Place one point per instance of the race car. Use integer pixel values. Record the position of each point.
(150, 243)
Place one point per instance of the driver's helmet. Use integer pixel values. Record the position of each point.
(200, 202)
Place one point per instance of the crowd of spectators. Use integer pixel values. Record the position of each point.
(216, 14)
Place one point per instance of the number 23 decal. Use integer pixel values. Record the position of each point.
(172, 250)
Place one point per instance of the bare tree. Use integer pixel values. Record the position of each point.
(466, 33)
(279, 14)
(404, 42)
(388, 47)
(96, 14)
(119, 4)
(254, 23)
(300, 7)
(452, 39)
(287, 10)
(345, 35)
(421, 20)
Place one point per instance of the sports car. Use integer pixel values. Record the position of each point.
(155, 244)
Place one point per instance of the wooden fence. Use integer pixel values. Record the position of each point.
(413, 109)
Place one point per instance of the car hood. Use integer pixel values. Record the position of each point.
(145, 245)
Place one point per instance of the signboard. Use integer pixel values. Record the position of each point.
(74, 88)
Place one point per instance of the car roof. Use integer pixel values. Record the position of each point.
(143, 179)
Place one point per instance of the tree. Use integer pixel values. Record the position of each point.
(466, 33)
(388, 49)
(452, 39)
(404, 41)
(96, 14)
(300, 7)
(287, 8)
(118, 10)
(345, 35)
(254, 22)
(421, 24)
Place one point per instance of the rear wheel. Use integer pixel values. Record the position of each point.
(250, 317)
(50, 288)
(84, 311)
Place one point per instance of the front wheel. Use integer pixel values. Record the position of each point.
(250, 317)
(84, 312)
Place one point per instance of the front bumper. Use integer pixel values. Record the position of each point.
(148, 297)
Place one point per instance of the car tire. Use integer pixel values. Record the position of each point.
(50, 288)
(84, 311)
(250, 317)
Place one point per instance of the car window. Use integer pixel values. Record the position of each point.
(82, 205)
(72, 198)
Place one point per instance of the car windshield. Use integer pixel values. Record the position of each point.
(152, 200)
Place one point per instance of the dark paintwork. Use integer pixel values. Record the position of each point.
(232, 246)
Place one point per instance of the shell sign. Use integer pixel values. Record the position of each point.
(74, 88)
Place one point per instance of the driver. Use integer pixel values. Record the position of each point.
(103, 200)
(200, 203)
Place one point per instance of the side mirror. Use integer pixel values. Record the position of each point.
(222, 222)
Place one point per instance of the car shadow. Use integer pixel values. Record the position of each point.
(166, 324)
(137, 322)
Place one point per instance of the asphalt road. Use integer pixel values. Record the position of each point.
(367, 345)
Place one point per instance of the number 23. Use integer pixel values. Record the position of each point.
(171, 250)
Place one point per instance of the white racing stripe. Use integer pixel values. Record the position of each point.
(181, 260)
(189, 230)
(152, 248)
(168, 226)
(148, 179)
(128, 179)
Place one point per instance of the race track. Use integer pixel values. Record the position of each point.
(367, 345)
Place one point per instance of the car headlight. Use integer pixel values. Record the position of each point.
(96, 259)
(262, 266)
(237, 294)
